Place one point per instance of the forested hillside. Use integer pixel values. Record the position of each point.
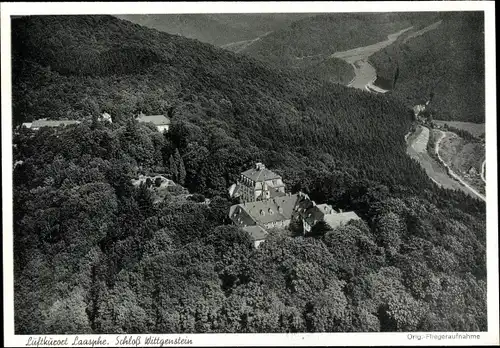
(307, 44)
(446, 62)
(93, 254)
(216, 29)
(329, 33)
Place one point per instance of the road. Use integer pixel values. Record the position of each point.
(417, 149)
(437, 172)
(452, 173)
(239, 46)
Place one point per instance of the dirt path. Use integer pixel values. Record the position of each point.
(452, 173)
(423, 31)
(239, 46)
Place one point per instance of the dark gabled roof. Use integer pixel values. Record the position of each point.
(261, 174)
(303, 203)
(256, 232)
(157, 120)
(286, 202)
(313, 215)
(239, 216)
(272, 210)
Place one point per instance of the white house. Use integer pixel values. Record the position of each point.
(106, 117)
(161, 122)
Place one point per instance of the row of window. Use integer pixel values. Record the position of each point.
(270, 211)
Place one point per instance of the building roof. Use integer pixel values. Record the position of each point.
(275, 193)
(272, 210)
(260, 173)
(313, 215)
(234, 190)
(326, 208)
(239, 216)
(256, 232)
(337, 219)
(157, 120)
(303, 203)
(263, 212)
(52, 123)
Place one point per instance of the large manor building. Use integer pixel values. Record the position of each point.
(258, 184)
(264, 204)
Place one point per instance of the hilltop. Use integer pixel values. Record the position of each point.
(160, 73)
(446, 63)
(96, 254)
(313, 39)
(216, 29)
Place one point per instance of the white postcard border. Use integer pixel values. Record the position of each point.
(302, 339)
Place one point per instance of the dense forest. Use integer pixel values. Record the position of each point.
(216, 29)
(95, 254)
(307, 44)
(446, 62)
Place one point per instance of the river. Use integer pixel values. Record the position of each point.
(365, 73)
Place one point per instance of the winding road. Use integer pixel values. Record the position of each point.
(417, 149)
(452, 173)
(438, 172)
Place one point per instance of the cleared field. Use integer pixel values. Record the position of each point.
(476, 129)
(362, 53)
(465, 158)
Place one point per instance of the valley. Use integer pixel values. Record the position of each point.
(444, 59)
(365, 73)
(449, 168)
(463, 160)
(121, 224)
(417, 149)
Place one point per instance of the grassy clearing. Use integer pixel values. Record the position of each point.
(464, 158)
(475, 129)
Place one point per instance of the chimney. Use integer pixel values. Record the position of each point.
(340, 210)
